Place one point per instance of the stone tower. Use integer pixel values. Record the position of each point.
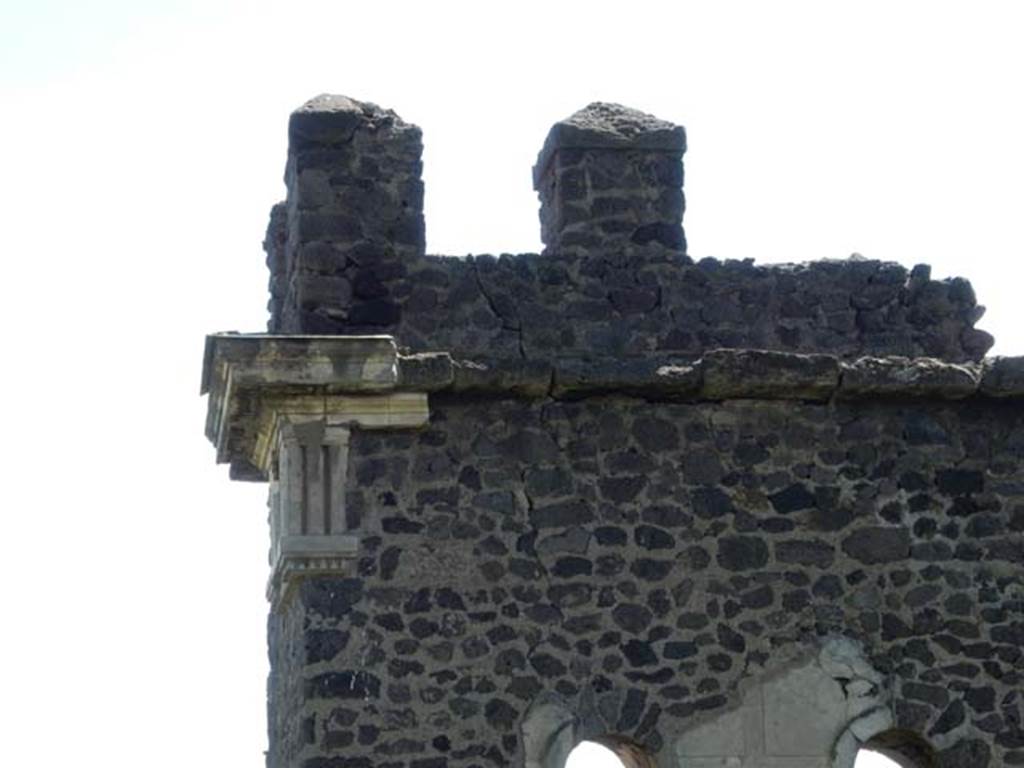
(708, 514)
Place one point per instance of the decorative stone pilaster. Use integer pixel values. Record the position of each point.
(310, 529)
(281, 409)
(609, 176)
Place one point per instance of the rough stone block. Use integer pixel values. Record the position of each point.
(528, 378)
(909, 378)
(640, 376)
(322, 292)
(427, 372)
(750, 373)
(1003, 377)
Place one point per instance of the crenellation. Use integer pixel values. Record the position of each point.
(705, 513)
(618, 284)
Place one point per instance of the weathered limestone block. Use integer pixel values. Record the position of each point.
(902, 377)
(609, 176)
(814, 712)
(525, 378)
(773, 375)
(426, 372)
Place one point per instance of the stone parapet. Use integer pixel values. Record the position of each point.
(657, 302)
(346, 256)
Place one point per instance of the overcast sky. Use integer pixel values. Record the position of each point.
(142, 144)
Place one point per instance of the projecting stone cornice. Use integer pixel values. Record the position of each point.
(281, 409)
(721, 374)
(256, 383)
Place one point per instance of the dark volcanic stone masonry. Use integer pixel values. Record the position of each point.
(514, 549)
(633, 555)
(346, 256)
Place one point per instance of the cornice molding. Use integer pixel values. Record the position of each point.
(255, 381)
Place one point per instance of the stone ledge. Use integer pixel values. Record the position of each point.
(903, 377)
(750, 373)
(363, 381)
(721, 374)
(641, 377)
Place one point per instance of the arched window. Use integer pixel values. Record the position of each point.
(609, 752)
(590, 754)
(896, 748)
(867, 758)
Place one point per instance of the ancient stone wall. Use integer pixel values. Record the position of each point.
(637, 561)
(695, 510)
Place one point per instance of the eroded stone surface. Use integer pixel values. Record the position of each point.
(602, 124)
(759, 373)
(922, 377)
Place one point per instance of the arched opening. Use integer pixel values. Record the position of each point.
(608, 752)
(590, 754)
(556, 735)
(896, 748)
(866, 758)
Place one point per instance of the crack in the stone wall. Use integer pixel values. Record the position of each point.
(505, 322)
(530, 506)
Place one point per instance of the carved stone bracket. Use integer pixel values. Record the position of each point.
(282, 409)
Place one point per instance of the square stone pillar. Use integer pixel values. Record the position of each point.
(610, 176)
(310, 529)
(352, 221)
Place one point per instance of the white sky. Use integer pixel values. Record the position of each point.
(142, 143)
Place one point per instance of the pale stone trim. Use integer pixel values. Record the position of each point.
(253, 380)
(282, 409)
(839, 699)
(303, 448)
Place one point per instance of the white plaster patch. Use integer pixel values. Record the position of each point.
(813, 714)
(803, 711)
